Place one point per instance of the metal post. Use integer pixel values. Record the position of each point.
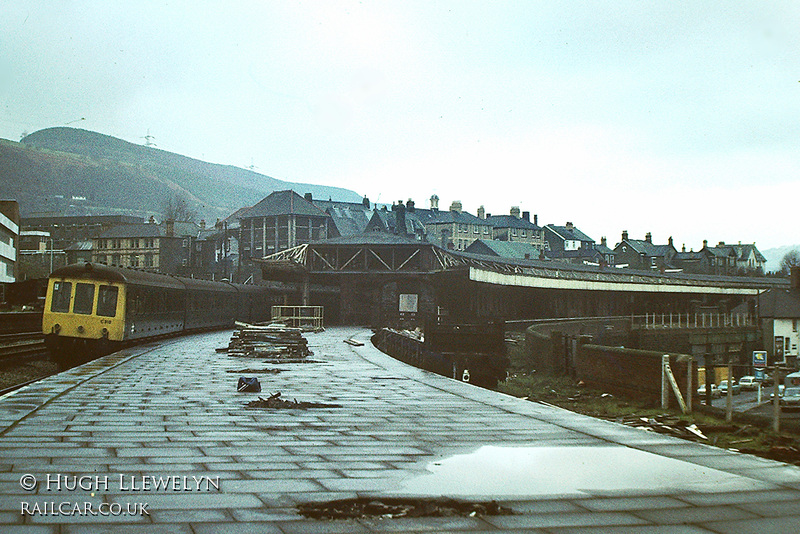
(664, 385)
(776, 402)
(729, 393)
(689, 380)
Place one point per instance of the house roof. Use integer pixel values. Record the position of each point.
(779, 304)
(181, 229)
(510, 221)
(349, 220)
(134, 230)
(283, 203)
(581, 253)
(648, 248)
(80, 245)
(740, 251)
(504, 249)
(571, 233)
(440, 217)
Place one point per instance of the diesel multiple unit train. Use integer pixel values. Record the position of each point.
(94, 309)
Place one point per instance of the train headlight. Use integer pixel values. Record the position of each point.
(56, 328)
(105, 333)
(80, 329)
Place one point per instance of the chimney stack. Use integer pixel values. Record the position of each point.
(435, 203)
(648, 237)
(170, 224)
(570, 227)
(410, 206)
(309, 197)
(399, 218)
(515, 211)
(536, 219)
(669, 241)
(526, 215)
(202, 224)
(481, 212)
(365, 202)
(603, 242)
(456, 206)
(624, 235)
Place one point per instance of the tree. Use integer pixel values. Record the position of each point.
(177, 209)
(790, 259)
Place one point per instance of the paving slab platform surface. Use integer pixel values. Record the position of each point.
(157, 439)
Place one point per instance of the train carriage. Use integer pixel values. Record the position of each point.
(93, 309)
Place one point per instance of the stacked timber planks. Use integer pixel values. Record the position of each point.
(274, 341)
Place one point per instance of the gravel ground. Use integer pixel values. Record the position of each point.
(20, 373)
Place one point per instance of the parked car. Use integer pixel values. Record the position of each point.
(702, 391)
(748, 382)
(781, 389)
(735, 388)
(791, 398)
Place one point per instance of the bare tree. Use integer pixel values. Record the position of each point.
(177, 208)
(789, 260)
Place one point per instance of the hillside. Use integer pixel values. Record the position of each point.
(67, 170)
(775, 255)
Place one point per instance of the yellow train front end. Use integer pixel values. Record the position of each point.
(84, 314)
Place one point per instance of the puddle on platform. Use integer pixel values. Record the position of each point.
(517, 471)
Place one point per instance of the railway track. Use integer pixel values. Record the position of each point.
(21, 347)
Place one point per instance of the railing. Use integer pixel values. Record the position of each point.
(692, 320)
(305, 317)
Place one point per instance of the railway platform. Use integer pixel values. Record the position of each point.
(157, 439)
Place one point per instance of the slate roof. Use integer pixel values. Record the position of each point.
(510, 221)
(648, 248)
(349, 220)
(565, 234)
(80, 245)
(504, 249)
(582, 253)
(779, 304)
(388, 220)
(741, 251)
(181, 229)
(134, 230)
(283, 203)
(441, 216)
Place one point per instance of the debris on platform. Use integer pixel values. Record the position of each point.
(665, 424)
(254, 371)
(248, 384)
(275, 341)
(353, 342)
(274, 401)
(388, 508)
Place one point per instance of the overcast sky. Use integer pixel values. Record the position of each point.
(677, 118)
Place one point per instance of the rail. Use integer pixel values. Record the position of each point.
(22, 346)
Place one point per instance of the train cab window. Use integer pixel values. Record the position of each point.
(84, 299)
(61, 297)
(107, 301)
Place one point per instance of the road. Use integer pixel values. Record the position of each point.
(747, 401)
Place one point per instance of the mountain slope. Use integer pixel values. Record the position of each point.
(50, 167)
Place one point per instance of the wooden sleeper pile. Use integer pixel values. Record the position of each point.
(274, 341)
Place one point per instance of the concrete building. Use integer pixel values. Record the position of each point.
(9, 239)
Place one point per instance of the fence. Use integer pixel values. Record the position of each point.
(692, 320)
(307, 317)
